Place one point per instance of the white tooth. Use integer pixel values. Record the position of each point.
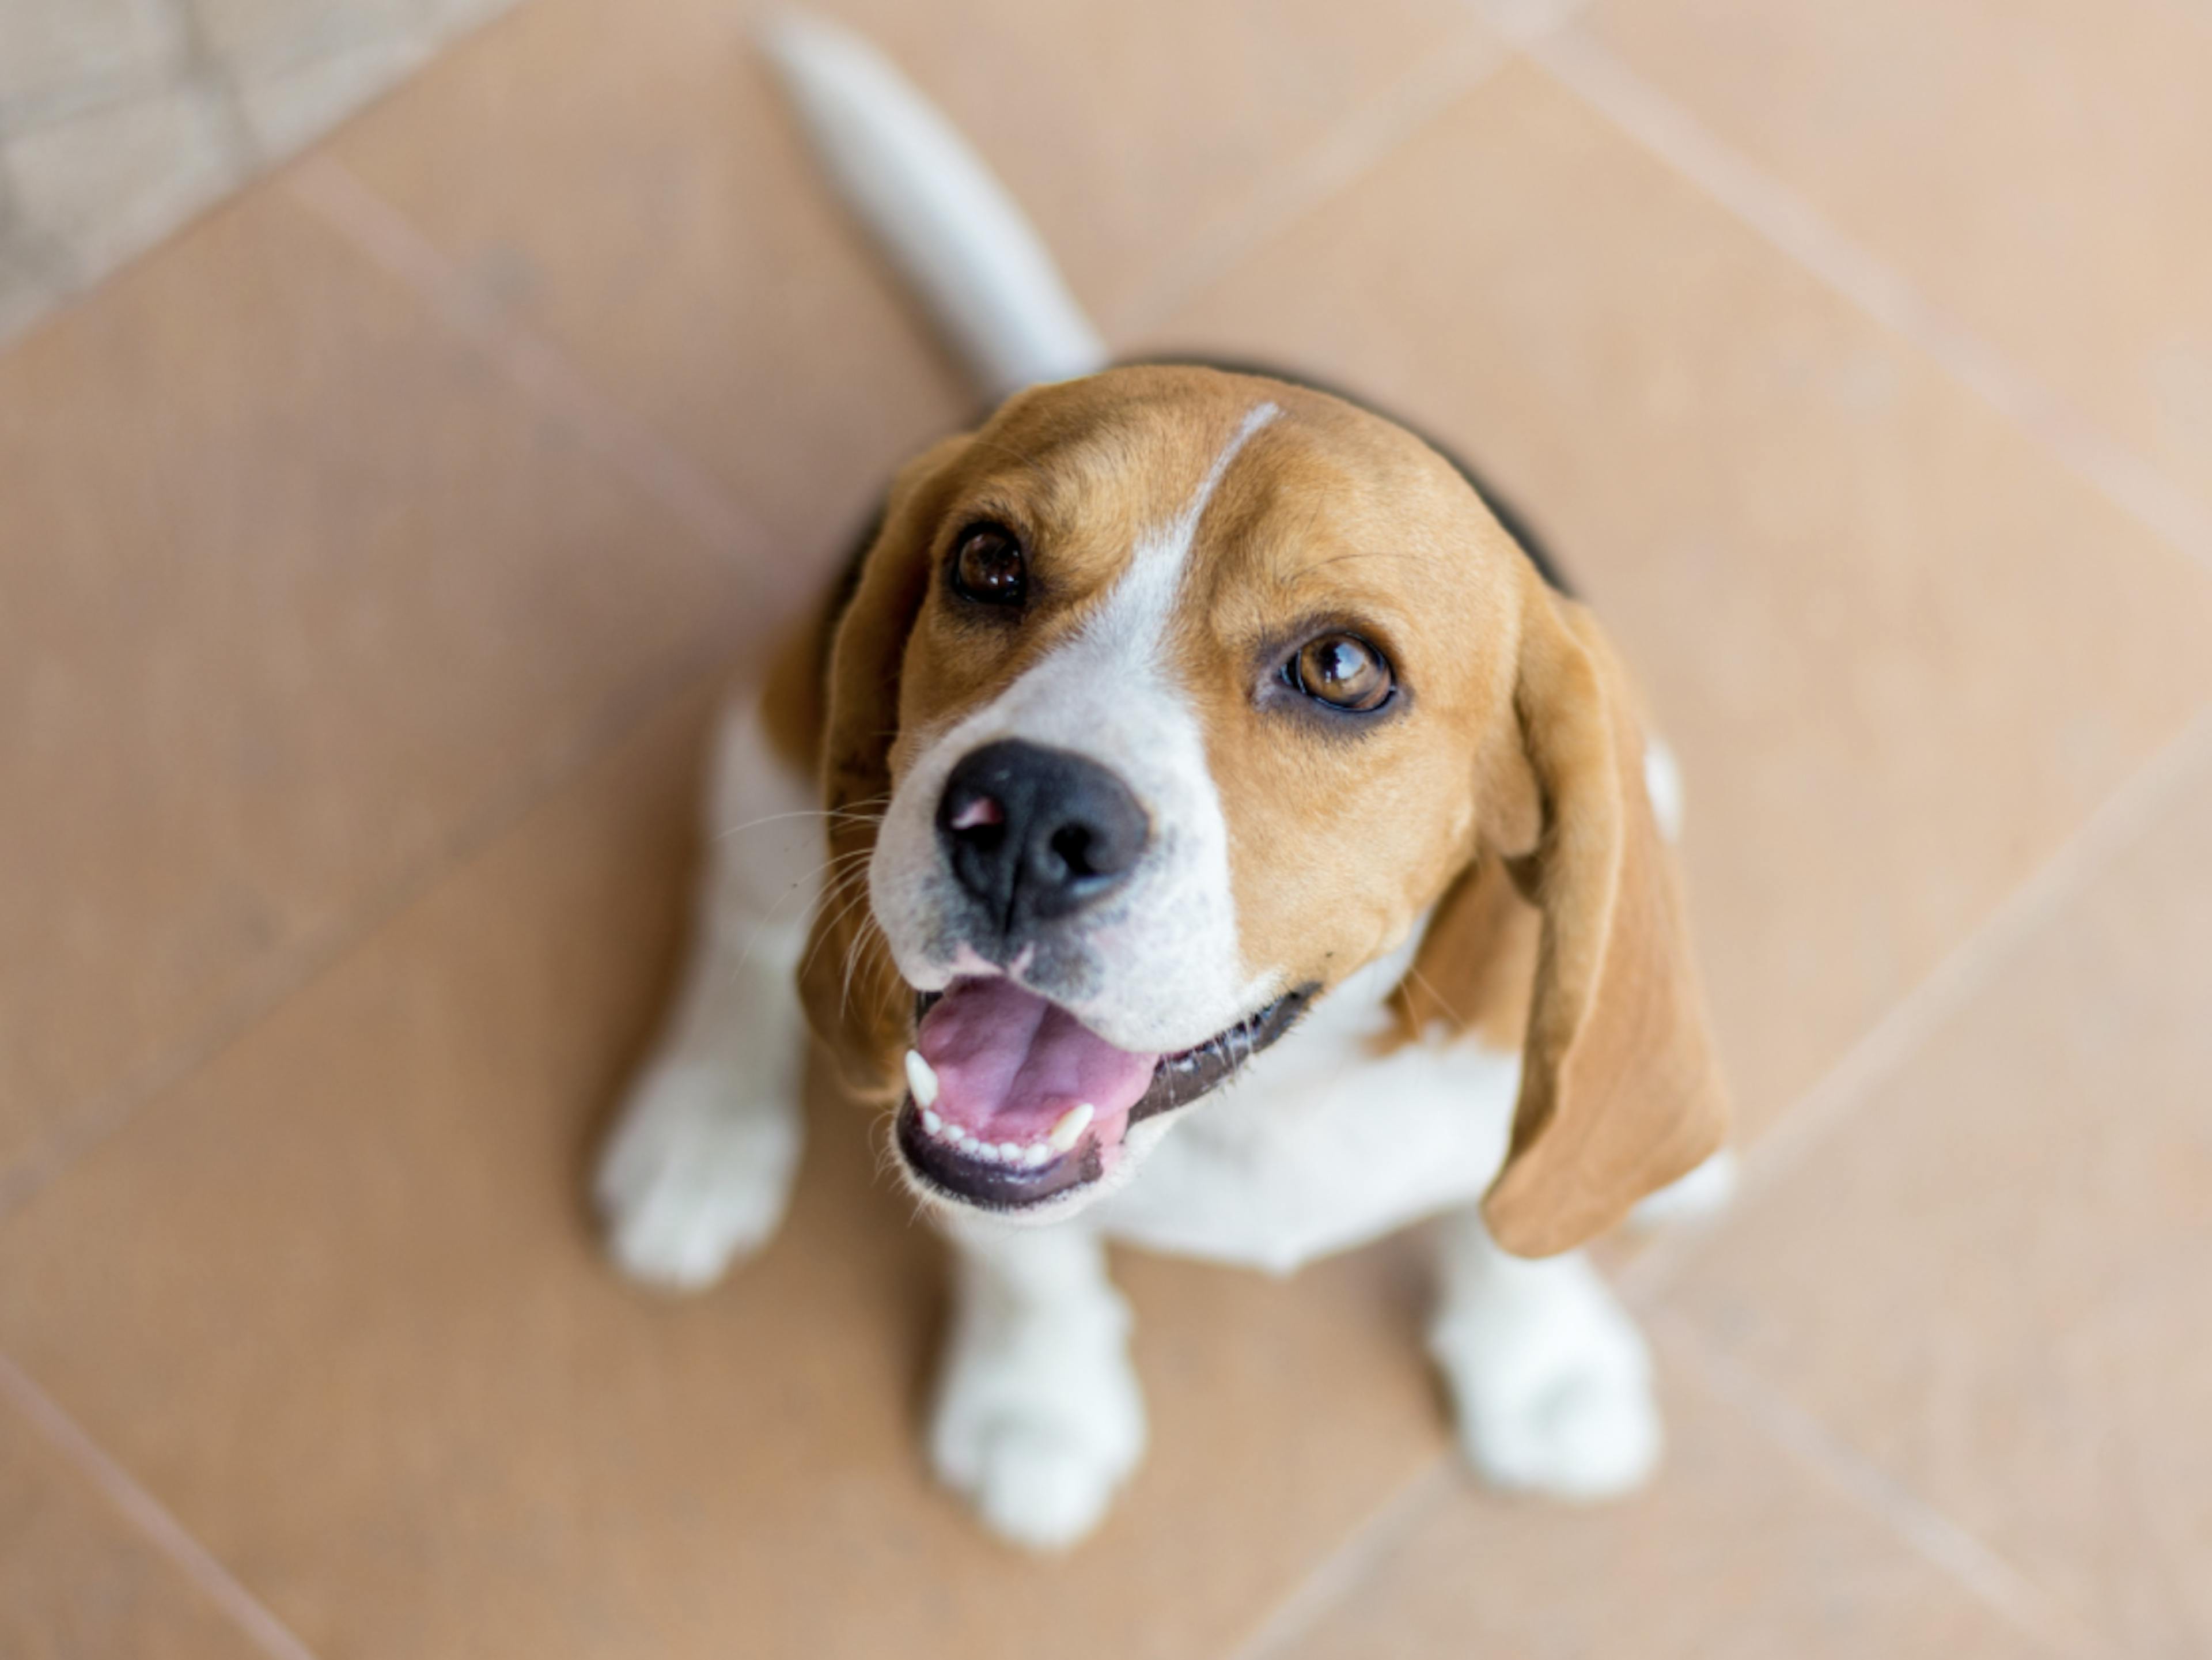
(1009, 1152)
(930, 1122)
(1072, 1123)
(1036, 1154)
(921, 1079)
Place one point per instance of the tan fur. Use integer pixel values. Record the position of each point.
(793, 700)
(1475, 972)
(1621, 1091)
(854, 998)
(1510, 757)
(1340, 837)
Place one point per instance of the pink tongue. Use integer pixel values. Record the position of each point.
(1010, 1063)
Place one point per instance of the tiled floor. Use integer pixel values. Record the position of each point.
(371, 553)
(119, 119)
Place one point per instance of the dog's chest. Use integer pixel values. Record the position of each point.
(1323, 1145)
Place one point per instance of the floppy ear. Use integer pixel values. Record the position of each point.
(854, 998)
(1619, 1092)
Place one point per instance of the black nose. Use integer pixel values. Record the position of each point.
(1036, 834)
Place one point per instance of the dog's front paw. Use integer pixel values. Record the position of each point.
(1038, 1445)
(1553, 1398)
(1700, 1196)
(1040, 1483)
(694, 1176)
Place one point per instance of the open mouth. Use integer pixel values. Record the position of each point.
(1012, 1101)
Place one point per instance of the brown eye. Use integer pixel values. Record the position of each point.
(1343, 671)
(988, 567)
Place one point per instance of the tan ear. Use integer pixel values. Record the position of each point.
(854, 998)
(1619, 1091)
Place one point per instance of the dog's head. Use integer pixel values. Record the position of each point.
(1166, 700)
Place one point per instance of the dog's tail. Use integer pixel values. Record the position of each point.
(947, 224)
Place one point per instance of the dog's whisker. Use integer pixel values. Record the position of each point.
(830, 927)
(802, 885)
(869, 929)
(852, 810)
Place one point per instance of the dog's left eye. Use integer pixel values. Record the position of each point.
(988, 567)
(1342, 670)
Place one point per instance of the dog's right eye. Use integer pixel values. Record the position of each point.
(989, 568)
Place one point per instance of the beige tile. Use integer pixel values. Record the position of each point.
(1992, 1281)
(287, 109)
(1901, 653)
(103, 185)
(452, 18)
(637, 191)
(55, 54)
(1735, 1554)
(632, 190)
(255, 39)
(299, 591)
(2038, 169)
(335, 1303)
(77, 1580)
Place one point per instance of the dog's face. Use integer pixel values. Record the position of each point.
(1180, 696)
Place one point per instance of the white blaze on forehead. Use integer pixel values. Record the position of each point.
(1170, 961)
(1142, 598)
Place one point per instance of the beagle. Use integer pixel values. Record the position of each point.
(1197, 823)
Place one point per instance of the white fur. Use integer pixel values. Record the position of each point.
(701, 1163)
(947, 224)
(1705, 1193)
(1662, 783)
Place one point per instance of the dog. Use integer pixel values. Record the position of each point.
(1238, 844)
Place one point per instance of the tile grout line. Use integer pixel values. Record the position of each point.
(383, 234)
(1352, 1561)
(294, 971)
(152, 1520)
(1793, 226)
(1952, 1549)
(1807, 1123)
(1354, 147)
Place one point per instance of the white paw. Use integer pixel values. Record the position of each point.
(1554, 1397)
(694, 1176)
(1036, 1483)
(1705, 1192)
(1038, 1445)
(1662, 782)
